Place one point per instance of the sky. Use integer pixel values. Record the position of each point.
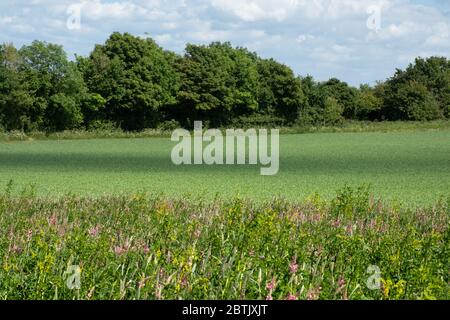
(358, 41)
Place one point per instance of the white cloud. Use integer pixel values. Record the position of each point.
(6, 19)
(440, 36)
(304, 37)
(162, 39)
(209, 35)
(97, 10)
(253, 10)
(325, 38)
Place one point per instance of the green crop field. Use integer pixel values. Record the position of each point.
(412, 167)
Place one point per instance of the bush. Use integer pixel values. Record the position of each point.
(102, 125)
(417, 103)
(169, 125)
(258, 121)
(63, 113)
(332, 113)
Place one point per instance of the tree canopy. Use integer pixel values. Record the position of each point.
(132, 83)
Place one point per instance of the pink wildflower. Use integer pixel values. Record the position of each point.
(29, 234)
(271, 285)
(291, 297)
(293, 267)
(341, 281)
(197, 233)
(93, 232)
(119, 250)
(314, 293)
(53, 220)
(15, 249)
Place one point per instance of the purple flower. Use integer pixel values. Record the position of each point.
(271, 285)
(291, 297)
(293, 267)
(93, 232)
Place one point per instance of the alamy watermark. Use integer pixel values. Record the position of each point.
(374, 280)
(73, 277)
(74, 17)
(374, 21)
(236, 146)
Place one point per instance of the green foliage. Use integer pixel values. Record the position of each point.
(368, 102)
(134, 76)
(63, 113)
(169, 126)
(258, 120)
(217, 83)
(412, 101)
(39, 88)
(280, 92)
(141, 247)
(332, 113)
(134, 83)
(344, 95)
(421, 92)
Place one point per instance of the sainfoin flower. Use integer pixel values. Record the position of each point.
(15, 249)
(119, 250)
(271, 285)
(197, 233)
(341, 288)
(291, 297)
(293, 267)
(314, 293)
(341, 282)
(53, 220)
(29, 234)
(94, 231)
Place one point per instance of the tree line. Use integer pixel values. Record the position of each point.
(132, 83)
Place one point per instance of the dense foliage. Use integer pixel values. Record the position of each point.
(132, 83)
(136, 247)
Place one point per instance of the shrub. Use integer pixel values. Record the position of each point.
(169, 125)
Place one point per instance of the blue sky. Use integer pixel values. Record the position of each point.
(324, 38)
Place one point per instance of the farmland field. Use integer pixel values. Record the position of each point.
(119, 215)
(412, 167)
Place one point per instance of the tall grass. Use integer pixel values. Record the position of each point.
(349, 126)
(145, 247)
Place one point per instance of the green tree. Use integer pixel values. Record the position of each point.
(280, 92)
(332, 112)
(135, 77)
(368, 103)
(312, 112)
(218, 83)
(344, 94)
(421, 92)
(51, 79)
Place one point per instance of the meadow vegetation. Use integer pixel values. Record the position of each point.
(118, 133)
(143, 247)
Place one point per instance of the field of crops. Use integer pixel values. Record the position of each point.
(412, 167)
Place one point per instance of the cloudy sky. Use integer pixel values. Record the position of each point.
(359, 41)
